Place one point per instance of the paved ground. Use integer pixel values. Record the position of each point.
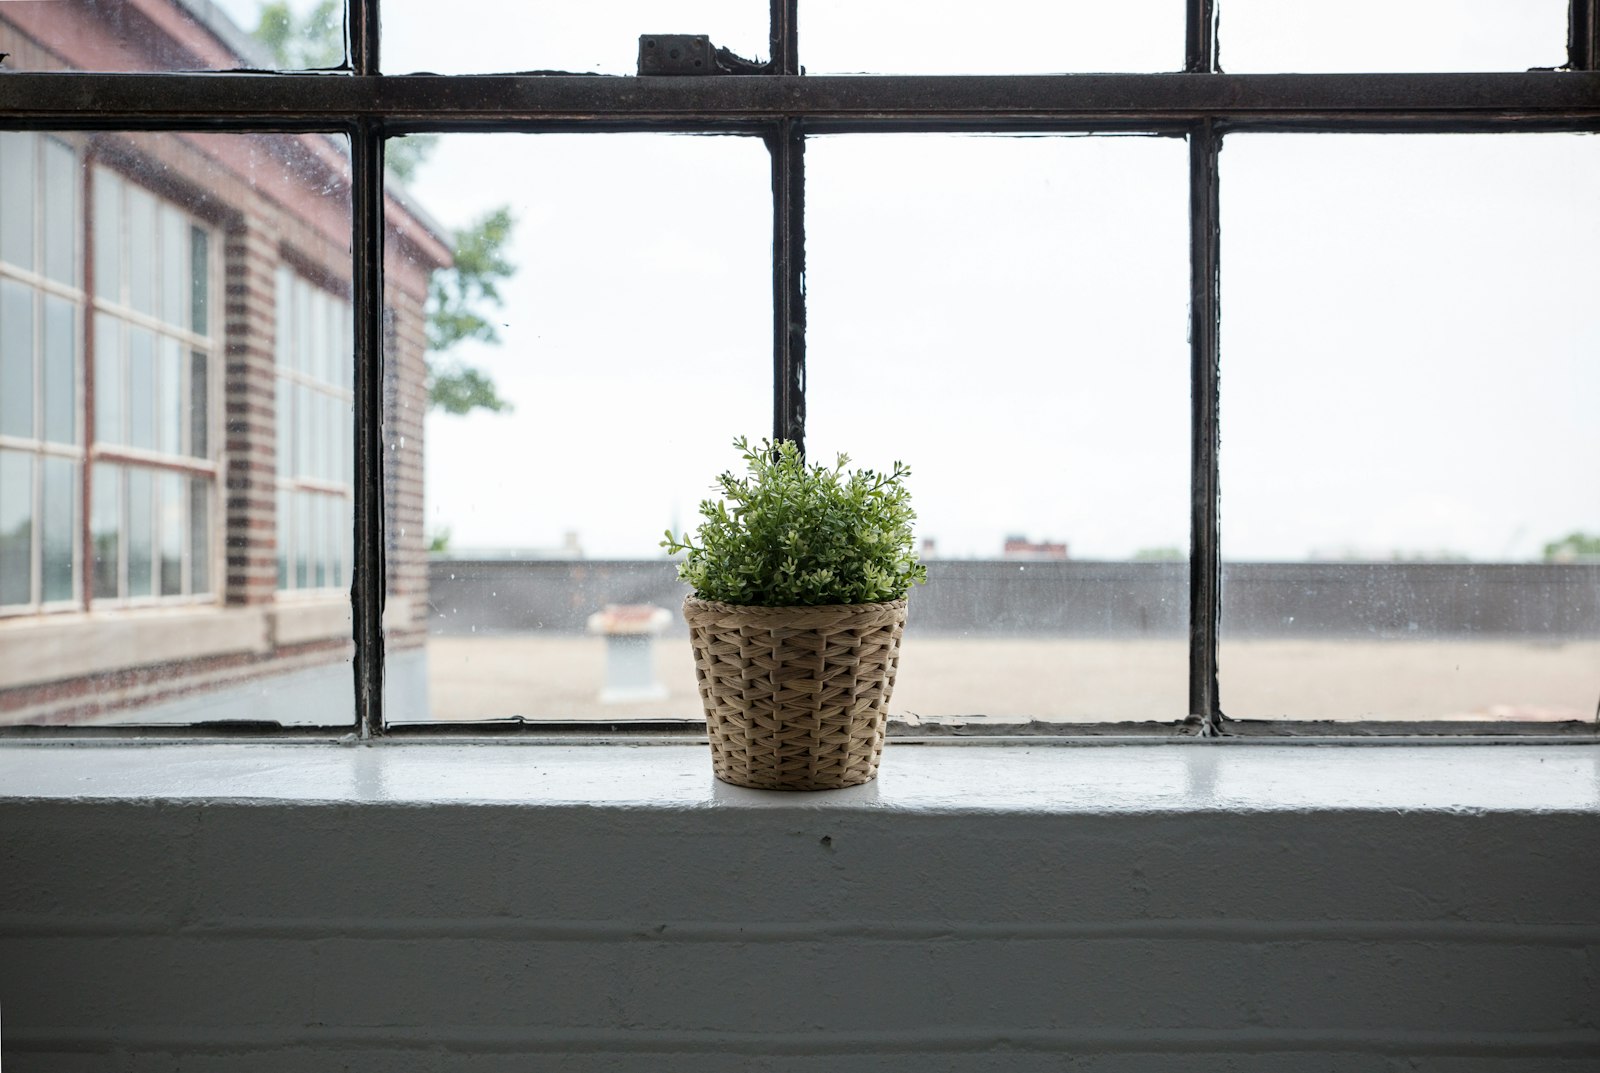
(1078, 680)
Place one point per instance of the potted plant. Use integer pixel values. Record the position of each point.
(800, 575)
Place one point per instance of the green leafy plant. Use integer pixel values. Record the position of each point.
(787, 534)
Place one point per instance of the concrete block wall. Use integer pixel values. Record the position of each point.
(363, 928)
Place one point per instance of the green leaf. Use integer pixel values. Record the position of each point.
(802, 535)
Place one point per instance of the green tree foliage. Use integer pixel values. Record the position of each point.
(308, 43)
(457, 300)
(789, 534)
(459, 295)
(403, 156)
(1576, 546)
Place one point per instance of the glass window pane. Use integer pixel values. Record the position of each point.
(16, 359)
(141, 249)
(141, 533)
(60, 188)
(199, 405)
(1391, 35)
(620, 319)
(287, 424)
(141, 388)
(110, 385)
(108, 235)
(1001, 37)
(16, 527)
(176, 290)
(199, 282)
(169, 396)
(219, 35)
(173, 527)
(599, 37)
(60, 370)
(1401, 484)
(302, 540)
(285, 529)
(307, 429)
(199, 535)
(17, 163)
(1009, 317)
(158, 530)
(106, 525)
(319, 539)
(59, 518)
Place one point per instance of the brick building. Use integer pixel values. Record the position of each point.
(176, 379)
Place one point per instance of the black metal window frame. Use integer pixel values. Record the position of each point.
(783, 106)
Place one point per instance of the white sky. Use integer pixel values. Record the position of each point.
(1409, 363)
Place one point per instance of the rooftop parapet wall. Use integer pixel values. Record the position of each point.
(1534, 601)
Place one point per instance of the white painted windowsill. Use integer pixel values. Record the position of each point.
(915, 778)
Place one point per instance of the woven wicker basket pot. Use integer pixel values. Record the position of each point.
(796, 698)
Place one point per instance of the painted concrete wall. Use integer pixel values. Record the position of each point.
(498, 908)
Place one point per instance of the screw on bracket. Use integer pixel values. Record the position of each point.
(676, 54)
(692, 54)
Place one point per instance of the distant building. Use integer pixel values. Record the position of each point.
(1019, 547)
(176, 391)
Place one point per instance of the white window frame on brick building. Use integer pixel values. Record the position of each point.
(314, 493)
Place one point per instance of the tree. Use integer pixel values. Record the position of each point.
(1576, 546)
(459, 295)
(302, 44)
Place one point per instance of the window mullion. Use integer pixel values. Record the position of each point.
(364, 36)
(1583, 35)
(1200, 45)
(785, 37)
(1205, 561)
(787, 145)
(368, 585)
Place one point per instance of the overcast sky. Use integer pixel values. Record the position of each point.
(1408, 361)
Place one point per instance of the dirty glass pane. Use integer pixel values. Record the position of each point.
(1410, 515)
(60, 193)
(200, 548)
(141, 389)
(219, 35)
(58, 516)
(108, 237)
(16, 528)
(598, 37)
(141, 533)
(169, 395)
(60, 354)
(16, 359)
(1390, 35)
(175, 565)
(998, 37)
(635, 342)
(1009, 317)
(18, 163)
(110, 383)
(106, 525)
(141, 249)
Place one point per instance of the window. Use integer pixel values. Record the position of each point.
(313, 422)
(1118, 322)
(41, 298)
(155, 475)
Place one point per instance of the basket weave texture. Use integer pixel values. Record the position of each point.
(796, 698)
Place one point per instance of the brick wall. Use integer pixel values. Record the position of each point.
(272, 199)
